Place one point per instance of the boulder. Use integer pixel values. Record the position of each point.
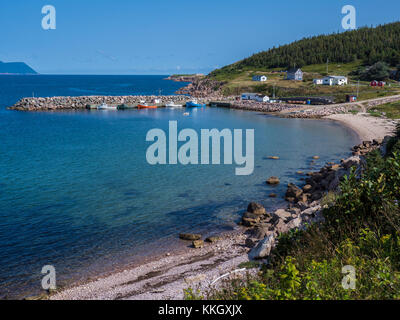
(301, 205)
(273, 195)
(295, 223)
(261, 231)
(315, 157)
(293, 192)
(281, 227)
(316, 196)
(213, 239)
(311, 211)
(294, 211)
(282, 214)
(350, 162)
(189, 236)
(273, 180)
(250, 219)
(256, 208)
(307, 188)
(263, 248)
(198, 244)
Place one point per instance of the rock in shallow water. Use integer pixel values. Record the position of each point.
(189, 236)
(256, 208)
(273, 180)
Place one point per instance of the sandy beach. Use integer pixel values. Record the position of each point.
(367, 127)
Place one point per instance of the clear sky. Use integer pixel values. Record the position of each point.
(164, 37)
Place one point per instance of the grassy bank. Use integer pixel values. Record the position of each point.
(361, 230)
(241, 81)
(390, 110)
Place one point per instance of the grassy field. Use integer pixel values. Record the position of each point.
(390, 110)
(242, 82)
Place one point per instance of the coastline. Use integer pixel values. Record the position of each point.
(366, 127)
(166, 276)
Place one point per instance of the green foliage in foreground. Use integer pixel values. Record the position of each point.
(361, 229)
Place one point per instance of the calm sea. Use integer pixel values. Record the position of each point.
(76, 191)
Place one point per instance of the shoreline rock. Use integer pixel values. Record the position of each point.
(304, 202)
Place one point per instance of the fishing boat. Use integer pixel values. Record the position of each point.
(105, 106)
(172, 105)
(126, 107)
(146, 106)
(194, 104)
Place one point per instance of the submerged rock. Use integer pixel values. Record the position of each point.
(273, 180)
(189, 236)
(256, 208)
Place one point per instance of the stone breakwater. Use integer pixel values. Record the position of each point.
(306, 203)
(72, 103)
(262, 107)
(308, 111)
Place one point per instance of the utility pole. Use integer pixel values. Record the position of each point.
(273, 96)
(358, 88)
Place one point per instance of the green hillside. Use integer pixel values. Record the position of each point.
(369, 45)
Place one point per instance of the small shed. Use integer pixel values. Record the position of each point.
(318, 81)
(374, 83)
(351, 98)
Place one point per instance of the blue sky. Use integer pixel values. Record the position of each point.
(164, 37)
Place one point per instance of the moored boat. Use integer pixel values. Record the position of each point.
(194, 104)
(105, 106)
(173, 105)
(126, 106)
(145, 106)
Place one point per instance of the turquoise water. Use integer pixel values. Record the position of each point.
(76, 191)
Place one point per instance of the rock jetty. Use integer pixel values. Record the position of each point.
(72, 103)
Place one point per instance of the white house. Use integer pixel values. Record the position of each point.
(294, 74)
(260, 78)
(254, 96)
(335, 80)
(318, 81)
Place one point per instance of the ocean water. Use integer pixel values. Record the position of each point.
(77, 192)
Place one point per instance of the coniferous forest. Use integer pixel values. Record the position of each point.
(369, 44)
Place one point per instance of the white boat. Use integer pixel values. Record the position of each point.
(105, 106)
(172, 105)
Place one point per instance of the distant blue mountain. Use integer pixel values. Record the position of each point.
(16, 68)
